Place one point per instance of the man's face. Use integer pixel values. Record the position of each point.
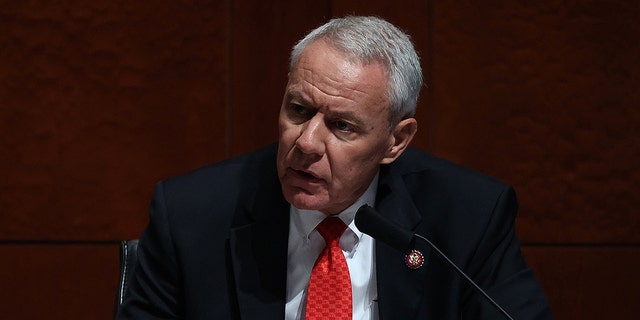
(334, 129)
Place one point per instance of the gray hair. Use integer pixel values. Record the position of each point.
(371, 39)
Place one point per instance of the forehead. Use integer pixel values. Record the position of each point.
(324, 74)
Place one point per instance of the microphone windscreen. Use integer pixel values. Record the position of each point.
(369, 221)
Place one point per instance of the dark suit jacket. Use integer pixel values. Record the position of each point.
(216, 244)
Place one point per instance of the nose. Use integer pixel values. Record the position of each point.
(312, 135)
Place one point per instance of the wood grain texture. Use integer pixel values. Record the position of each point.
(98, 101)
(544, 96)
(590, 282)
(58, 281)
(263, 34)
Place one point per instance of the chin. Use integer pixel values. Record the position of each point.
(305, 201)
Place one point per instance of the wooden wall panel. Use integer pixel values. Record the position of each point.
(52, 281)
(589, 282)
(263, 34)
(544, 95)
(99, 100)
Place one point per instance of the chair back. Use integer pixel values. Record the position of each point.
(128, 260)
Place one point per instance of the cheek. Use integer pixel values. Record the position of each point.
(281, 127)
(348, 165)
(287, 142)
(287, 134)
(353, 164)
(366, 153)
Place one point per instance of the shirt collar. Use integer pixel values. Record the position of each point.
(307, 220)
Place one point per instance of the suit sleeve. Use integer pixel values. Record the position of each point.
(502, 271)
(154, 291)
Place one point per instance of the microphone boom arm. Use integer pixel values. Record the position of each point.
(464, 275)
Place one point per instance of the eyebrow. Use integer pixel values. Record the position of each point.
(298, 96)
(349, 116)
(346, 115)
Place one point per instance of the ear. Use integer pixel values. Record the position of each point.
(401, 136)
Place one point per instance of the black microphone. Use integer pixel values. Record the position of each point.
(369, 221)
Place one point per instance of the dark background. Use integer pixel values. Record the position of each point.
(100, 99)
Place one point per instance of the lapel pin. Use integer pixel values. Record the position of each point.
(414, 259)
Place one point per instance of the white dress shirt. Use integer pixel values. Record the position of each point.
(306, 244)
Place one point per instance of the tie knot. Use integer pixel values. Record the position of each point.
(331, 229)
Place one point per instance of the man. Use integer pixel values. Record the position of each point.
(243, 239)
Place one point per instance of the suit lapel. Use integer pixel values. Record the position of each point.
(258, 249)
(400, 289)
(259, 255)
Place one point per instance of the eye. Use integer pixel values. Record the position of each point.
(343, 126)
(298, 109)
(299, 113)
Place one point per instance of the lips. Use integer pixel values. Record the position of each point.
(306, 175)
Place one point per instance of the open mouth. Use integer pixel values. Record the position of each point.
(307, 176)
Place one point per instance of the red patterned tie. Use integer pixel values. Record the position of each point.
(329, 294)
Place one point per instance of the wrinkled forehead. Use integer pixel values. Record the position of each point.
(350, 53)
(338, 56)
